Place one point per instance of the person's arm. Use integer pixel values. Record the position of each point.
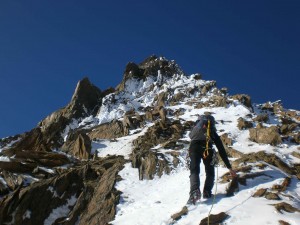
(218, 142)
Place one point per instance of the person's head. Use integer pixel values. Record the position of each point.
(207, 113)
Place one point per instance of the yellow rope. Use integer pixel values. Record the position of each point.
(205, 153)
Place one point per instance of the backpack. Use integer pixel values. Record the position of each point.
(199, 131)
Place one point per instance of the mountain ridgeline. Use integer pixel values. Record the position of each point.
(59, 162)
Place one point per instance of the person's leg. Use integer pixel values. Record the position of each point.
(195, 157)
(210, 176)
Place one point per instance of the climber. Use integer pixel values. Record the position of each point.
(202, 136)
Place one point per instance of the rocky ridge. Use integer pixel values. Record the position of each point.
(56, 160)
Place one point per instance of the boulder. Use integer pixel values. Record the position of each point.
(283, 206)
(244, 99)
(260, 193)
(177, 216)
(272, 196)
(261, 118)
(267, 135)
(214, 219)
(244, 124)
(282, 222)
(111, 130)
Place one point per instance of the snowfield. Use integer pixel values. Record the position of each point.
(152, 202)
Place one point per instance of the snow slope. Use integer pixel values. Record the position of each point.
(152, 202)
(147, 202)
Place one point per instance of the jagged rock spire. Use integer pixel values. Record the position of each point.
(86, 97)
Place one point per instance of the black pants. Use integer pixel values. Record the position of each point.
(196, 154)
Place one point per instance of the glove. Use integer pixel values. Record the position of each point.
(232, 173)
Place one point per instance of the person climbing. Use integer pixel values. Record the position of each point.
(202, 136)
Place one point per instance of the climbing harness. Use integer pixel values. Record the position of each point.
(205, 153)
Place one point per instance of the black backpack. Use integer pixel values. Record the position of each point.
(199, 131)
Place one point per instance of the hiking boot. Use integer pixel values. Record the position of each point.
(194, 197)
(207, 194)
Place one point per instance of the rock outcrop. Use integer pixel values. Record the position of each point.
(85, 195)
(78, 144)
(148, 161)
(269, 135)
(152, 66)
(85, 101)
(111, 130)
(244, 99)
(244, 124)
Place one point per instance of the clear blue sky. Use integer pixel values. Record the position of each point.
(250, 47)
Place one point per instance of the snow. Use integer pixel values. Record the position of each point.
(51, 189)
(60, 211)
(147, 202)
(71, 126)
(4, 158)
(27, 215)
(120, 146)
